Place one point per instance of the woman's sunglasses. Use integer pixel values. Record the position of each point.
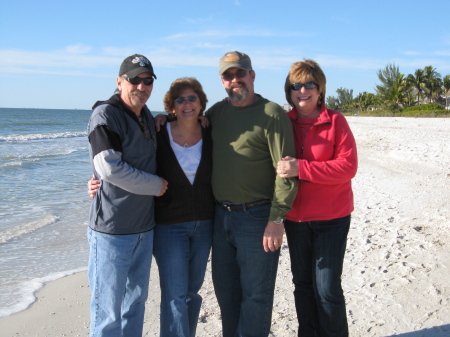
(182, 100)
(307, 85)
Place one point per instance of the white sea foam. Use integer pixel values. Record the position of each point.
(19, 230)
(40, 136)
(25, 292)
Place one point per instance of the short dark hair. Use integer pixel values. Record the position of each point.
(178, 86)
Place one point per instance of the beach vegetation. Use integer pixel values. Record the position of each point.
(424, 93)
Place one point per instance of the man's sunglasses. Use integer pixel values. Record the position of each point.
(307, 85)
(239, 74)
(138, 80)
(182, 100)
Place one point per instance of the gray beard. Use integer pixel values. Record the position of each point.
(238, 96)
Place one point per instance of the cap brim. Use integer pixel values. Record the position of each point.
(136, 72)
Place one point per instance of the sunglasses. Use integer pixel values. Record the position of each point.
(138, 80)
(182, 100)
(239, 74)
(307, 85)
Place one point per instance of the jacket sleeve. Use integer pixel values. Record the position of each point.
(343, 162)
(107, 160)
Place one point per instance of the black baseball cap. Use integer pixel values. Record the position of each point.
(134, 65)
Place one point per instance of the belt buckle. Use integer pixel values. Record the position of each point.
(227, 207)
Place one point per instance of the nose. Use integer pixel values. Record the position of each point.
(141, 86)
(303, 89)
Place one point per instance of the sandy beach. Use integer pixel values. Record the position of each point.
(397, 265)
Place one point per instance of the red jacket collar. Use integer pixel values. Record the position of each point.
(323, 118)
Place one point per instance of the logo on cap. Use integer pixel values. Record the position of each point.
(141, 60)
(231, 57)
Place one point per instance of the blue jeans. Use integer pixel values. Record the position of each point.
(243, 273)
(119, 272)
(181, 251)
(317, 251)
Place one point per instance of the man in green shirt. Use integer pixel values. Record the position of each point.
(250, 135)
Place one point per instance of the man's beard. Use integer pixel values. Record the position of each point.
(140, 96)
(239, 95)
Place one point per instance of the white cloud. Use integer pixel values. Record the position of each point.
(199, 20)
(443, 53)
(53, 62)
(411, 53)
(78, 49)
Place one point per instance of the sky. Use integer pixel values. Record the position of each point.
(67, 54)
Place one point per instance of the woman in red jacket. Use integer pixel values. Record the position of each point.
(318, 225)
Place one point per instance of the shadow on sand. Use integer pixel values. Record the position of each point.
(437, 331)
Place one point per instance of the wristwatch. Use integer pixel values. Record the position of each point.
(279, 221)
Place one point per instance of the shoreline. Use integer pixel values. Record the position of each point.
(397, 261)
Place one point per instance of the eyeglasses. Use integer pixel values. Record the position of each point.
(182, 100)
(307, 85)
(138, 80)
(240, 73)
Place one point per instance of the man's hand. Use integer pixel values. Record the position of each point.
(159, 119)
(273, 236)
(163, 187)
(93, 186)
(204, 121)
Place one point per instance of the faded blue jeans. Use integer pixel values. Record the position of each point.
(317, 250)
(181, 252)
(243, 273)
(119, 272)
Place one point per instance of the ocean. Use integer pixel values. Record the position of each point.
(44, 169)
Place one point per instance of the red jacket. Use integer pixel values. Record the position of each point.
(327, 162)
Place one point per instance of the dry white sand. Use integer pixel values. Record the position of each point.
(397, 266)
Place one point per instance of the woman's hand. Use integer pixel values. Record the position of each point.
(287, 167)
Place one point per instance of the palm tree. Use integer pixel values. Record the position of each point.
(418, 82)
(397, 92)
(446, 83)
(387, 78)
(433, 82)
(393, 86)
(365, 100)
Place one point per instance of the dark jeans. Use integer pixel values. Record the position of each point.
(317, 251)
(243, 273)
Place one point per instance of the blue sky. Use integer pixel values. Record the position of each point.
(66, 54)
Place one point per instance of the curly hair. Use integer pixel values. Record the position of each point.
(178, 86)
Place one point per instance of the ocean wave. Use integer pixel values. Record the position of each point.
(16, 231)
(26, 293)
(21, 160)
(41, 136)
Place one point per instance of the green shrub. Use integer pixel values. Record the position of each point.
(426, 113)
(425, 107)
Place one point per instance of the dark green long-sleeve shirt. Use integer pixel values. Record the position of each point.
(247, 144)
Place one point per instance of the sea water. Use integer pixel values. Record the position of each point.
(44, 169)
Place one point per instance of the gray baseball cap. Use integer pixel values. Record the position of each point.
(234, 59)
